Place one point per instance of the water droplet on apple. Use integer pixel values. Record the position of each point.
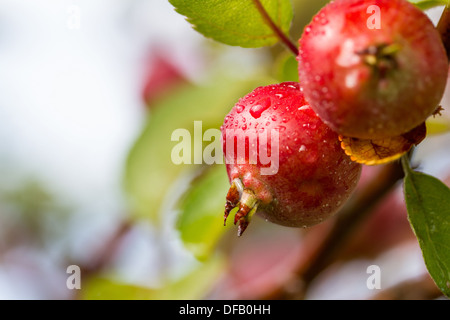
(239, 108)
(260, 107)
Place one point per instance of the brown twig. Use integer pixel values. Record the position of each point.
(350, 217)
(443, 28)
(105, 253)
(422, 288)
(103, 256)
(346, 222)
(278, 32)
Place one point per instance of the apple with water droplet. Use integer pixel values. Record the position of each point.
(372, 79)
(283, 162)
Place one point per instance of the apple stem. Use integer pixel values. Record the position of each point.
(247, 208)
(247, 202)
(278, 32)
(233, 197)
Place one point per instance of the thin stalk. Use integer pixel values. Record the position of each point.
(278, 32)
(443, 28)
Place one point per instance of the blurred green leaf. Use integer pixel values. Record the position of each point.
(106, 289)
(195, 285)
(304, 12)
(201, 219)
(236, 22)
(287, 66)
(33, 208)
(428, 4)
(150, 172)
(437, 126)
(428, 204)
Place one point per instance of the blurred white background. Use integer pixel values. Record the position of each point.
(71, 75)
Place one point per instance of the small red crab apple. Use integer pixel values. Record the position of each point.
(367, 81)
(308, 177)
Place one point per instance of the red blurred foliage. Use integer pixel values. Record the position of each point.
(162, 77)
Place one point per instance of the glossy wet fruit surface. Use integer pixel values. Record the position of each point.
(283, 162)
(372, 69)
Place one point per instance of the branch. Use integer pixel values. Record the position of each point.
(106, 252)
(443, 28)
(422, 288)
(347, 220)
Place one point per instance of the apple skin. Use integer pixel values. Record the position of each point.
(372, 83)
(314, 177)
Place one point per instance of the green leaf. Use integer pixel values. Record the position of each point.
(428, 205)
(201, 219)
(437, 126)
(150, 174)
(287, 66)
(428, 4)
(195, 285)
(236, 22)
(106, 289)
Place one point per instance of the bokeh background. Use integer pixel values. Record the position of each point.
(83, 85)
